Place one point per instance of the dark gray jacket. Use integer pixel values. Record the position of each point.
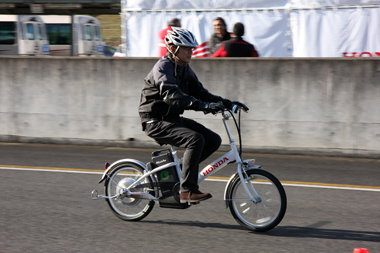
(167, 95)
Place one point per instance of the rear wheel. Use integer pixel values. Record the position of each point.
(132, 208)
(270, 206)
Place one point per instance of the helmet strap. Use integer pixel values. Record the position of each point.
(175, 59)
(176, 50)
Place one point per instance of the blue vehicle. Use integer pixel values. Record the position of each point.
(109, 51)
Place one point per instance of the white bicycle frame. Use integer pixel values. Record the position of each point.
(210, 169)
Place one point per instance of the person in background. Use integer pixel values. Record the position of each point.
(220, 35)
(161, 35)
(236, 47)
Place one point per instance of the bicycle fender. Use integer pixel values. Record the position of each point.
(120, 161)
(232, 179)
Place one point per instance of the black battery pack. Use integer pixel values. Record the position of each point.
(168, 177)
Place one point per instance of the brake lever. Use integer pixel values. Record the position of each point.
(234, 109)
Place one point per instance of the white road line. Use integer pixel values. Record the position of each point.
(332, 187)
(65, 171)
(209, 179)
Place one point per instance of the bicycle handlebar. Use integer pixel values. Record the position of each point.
(234, 108)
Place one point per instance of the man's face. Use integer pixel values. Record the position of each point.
(219, 27)
(184, 54)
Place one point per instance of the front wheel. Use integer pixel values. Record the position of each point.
(131, 208)
(270, 205)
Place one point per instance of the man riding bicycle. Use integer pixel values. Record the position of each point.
(170, 88)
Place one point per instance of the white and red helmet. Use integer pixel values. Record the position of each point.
(181, 38)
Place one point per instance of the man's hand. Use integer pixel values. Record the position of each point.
(230, 104)
(243, 106)
(212, 107)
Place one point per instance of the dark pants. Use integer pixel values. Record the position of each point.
(199, 141)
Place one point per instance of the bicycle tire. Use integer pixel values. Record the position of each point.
(265, 214)
(128, 208)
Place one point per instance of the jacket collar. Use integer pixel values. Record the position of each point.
(237, 38)
(226, 36)
(173, 61)
(178, 69)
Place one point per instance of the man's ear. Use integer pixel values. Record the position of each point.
(172, 49)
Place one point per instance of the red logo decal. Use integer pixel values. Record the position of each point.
(214, 166)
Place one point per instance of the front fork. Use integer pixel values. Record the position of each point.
(241, 173)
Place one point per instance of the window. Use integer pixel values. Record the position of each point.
(97, 33)
(7, 33)
(109, 51)
(59, 34)
(30, 32)
(87, 32)
(40, 36)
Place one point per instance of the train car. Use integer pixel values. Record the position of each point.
(23, 35)
(74, 36)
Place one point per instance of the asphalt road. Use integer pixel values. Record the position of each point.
(48, 210)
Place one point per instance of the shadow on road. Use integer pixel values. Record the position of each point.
(198, 224)
(286, 231)
(322, 233)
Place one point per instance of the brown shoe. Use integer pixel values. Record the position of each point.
(194, 196)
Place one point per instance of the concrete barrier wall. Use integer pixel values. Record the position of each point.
(301, 106)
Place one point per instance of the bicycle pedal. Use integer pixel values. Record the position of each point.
(195, 203)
